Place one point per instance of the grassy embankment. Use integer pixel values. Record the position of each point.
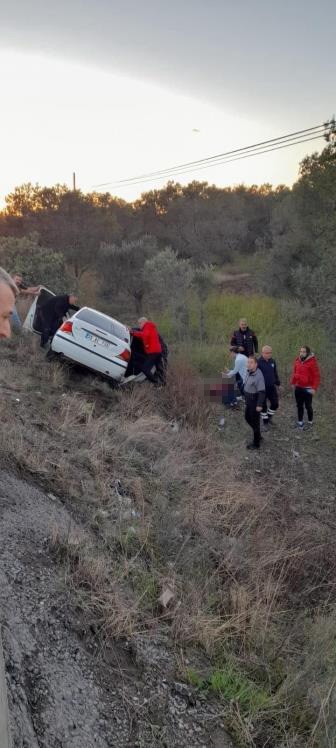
(246, 544)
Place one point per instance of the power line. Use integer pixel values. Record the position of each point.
(280, 142)
(227, 153)
(223, 161)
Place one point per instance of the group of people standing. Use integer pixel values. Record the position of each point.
(258, 381)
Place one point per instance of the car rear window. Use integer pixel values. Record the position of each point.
(104, 323)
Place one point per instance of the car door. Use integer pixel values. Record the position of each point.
(32, 321)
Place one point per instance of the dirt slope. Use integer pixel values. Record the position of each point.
(63, 691)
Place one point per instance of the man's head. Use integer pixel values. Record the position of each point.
(243, 324)
(73, 299)
(266, 352)
(233, 351)
(17, 278)
(142, 321)
(8, 293)
(252, 363)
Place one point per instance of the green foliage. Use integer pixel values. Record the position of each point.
(284, 325)
(168, 279)
(302, 262)
(37, 264)
(234, 686)
(123, 271)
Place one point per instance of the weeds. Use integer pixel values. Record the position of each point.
(246, 546)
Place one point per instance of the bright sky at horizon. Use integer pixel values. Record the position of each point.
(133, 90)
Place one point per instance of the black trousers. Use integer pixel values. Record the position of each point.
(151, 359)
(304, 400)
(272, 398)
(252, 417)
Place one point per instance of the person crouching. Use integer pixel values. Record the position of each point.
(150, 338)
(254, 391)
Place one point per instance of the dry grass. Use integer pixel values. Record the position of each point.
(164, 501)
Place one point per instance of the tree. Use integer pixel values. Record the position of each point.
(38, 265)
(168, 279)
(302, 262)
(123, 272)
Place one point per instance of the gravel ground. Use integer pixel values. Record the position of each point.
(65, 691)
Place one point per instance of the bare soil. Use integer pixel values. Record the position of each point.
(65, 690)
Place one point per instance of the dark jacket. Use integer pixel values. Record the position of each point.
(51, 313)
(246, 339)
(254, 388)
(270, 372)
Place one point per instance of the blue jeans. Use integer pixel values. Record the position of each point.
(15, 319)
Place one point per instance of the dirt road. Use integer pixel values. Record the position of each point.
(63, 691)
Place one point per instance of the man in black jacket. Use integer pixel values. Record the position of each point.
(51, 315)
(268, 366)
(245, 339)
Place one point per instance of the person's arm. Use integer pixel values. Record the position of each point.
(75, 307)
(261, 391)
(276, 375)
(137, 334)
(255, 341)
(315, 375)
(233, 371)
(30, 291)
(233, 340)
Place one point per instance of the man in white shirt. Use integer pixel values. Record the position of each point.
(240, 368)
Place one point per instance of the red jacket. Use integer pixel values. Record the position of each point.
(306, 373)
(150, 337)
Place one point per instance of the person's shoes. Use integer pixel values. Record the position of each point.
(300, 425)
(221, 422)
(252, 446)
(310, 423)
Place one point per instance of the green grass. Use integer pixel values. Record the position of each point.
(284, 326)
(233, 685)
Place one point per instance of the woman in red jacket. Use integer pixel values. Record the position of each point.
(305, 379)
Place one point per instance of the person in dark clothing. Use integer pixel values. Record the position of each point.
(268, 366)
(149, 336)
(245, 339)
(51, 315)
(254, 390)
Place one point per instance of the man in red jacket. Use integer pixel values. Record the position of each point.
(305, 379)
(149, 336)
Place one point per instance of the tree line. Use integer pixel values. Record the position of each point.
(167, 242)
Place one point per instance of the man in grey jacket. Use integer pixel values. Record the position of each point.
(254, 390)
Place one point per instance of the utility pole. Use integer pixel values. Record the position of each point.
(74, 181)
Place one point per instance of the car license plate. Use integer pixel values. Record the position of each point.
(97, 341)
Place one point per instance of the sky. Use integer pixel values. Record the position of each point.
(115, 89)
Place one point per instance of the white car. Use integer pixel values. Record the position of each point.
(95, 341)
(90, 338)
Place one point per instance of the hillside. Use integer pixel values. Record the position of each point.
(112, 503)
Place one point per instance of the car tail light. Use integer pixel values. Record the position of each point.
(125, 355)
(66, 327)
